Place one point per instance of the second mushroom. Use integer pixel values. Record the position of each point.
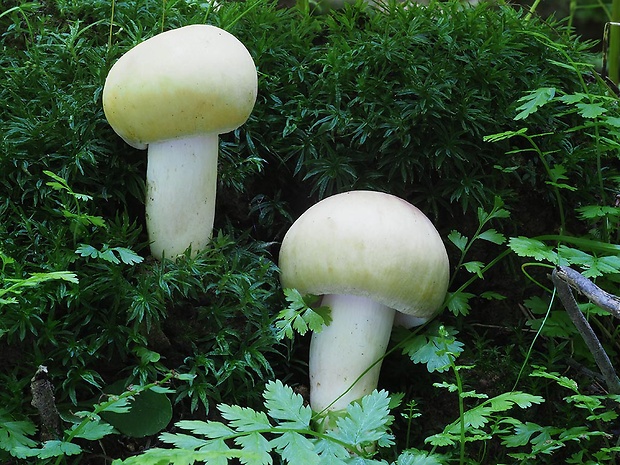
(175, 93)
(369, 255)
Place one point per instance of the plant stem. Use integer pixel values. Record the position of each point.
(459, 384)
(614, 43)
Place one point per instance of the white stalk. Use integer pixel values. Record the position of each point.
(356, 338)
(181, 183)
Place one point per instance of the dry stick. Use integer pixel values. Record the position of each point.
(562, 277)
(595, 294)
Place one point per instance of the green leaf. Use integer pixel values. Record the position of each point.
(522, 434)
(60, 183)
(535, 99)
(57, 449)
(37, 278)
(85, 250)
(493, 236)
(146, 413)
(93, 430)
(504, 135)
(559, 379)
(557, 173)
(419, 457)
(147, 356)
(590, 110)
(299, 316)
(571, 99)
(366, 421)
(474, 267)
(108, 254)
(208, 429)
(15, 433)
(437, 349)
(526, 247)
(492, 295)
(157, 456)
(458, 302)
(458, 240)
(296, 449)
(286, 407)
(183, 441)
(244, 419)
(597, 211)
(259, 448)
(128, 256)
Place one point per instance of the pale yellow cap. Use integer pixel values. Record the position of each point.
(367, 244)
(192, 80)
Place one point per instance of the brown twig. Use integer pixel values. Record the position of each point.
(564, 278)
(595, 294)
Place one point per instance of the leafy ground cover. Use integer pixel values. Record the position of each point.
(495, 123)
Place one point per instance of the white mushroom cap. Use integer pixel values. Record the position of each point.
(367, 244)
(192, 80)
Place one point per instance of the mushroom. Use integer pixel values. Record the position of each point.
(174, 94)
(369, 254)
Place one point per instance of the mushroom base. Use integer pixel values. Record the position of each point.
(181, 184)
(345, 357)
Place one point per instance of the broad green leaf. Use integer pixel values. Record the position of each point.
(286, 407)
(477, 417)
(534, 99)
(157, 456)
(93, 430)
(492, 295)
(57, 449)
(15, 433)
(258, 446)
(182, 440)
(208, 429)
(559, 379)
(538, 250)
(36, 278)
(558, 173)
(300, 316)
(458, 302)
(296, 449)
(108, 255)
(244, 419)
(590, 110)
(85, 250)
(522, 433)
(419, 457)
(441, 440)
(146, 355)
(436, 349)
(458, 240)
(492, 235)
(149, 413)
(366, 421)
(128, 256)
(474, 267)
(598, 211)
(573, 98)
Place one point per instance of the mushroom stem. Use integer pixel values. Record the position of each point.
(354, 341)
(181, 182)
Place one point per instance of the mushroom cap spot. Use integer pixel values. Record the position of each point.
(367, 244)
(192, 80)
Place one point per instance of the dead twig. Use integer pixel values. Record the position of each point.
(566, 278)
